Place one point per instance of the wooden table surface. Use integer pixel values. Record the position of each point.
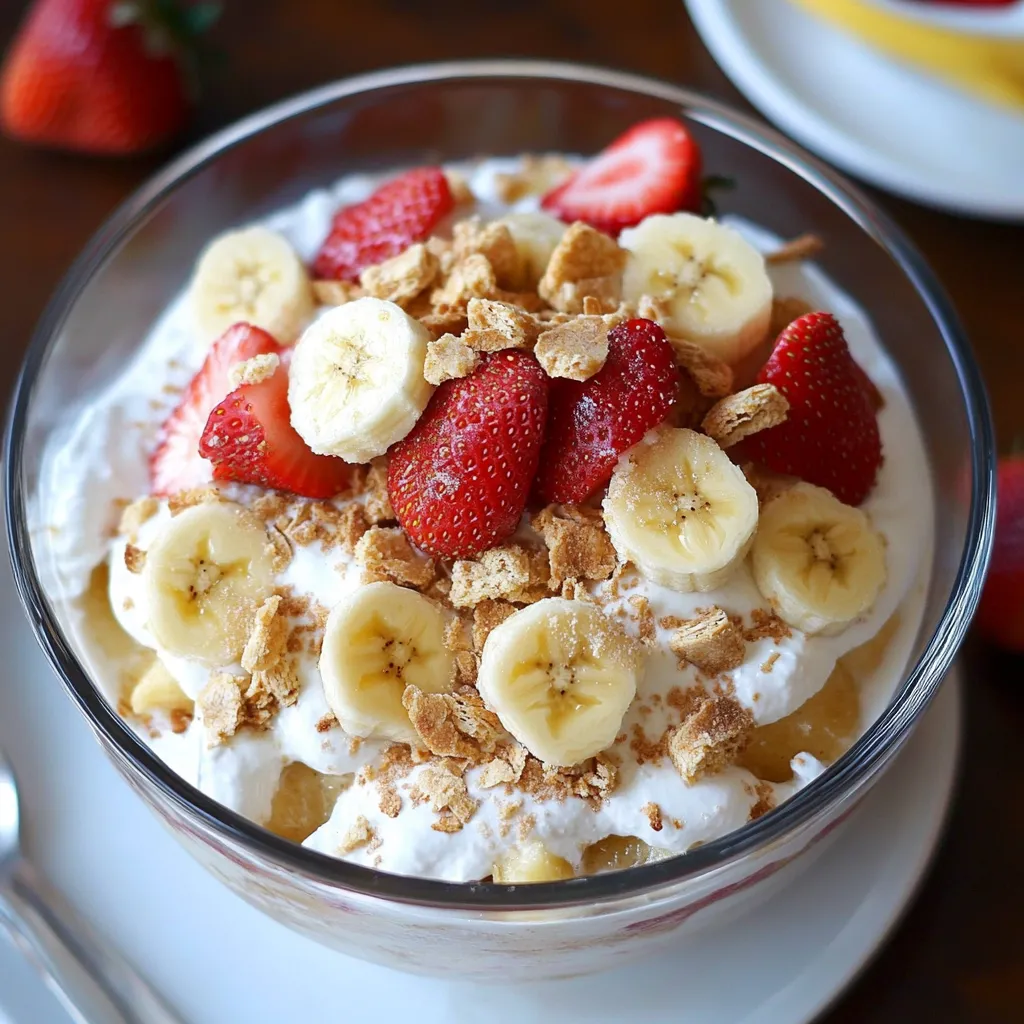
(959, 953)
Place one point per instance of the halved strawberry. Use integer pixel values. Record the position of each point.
(592, 422)
(176, 464)
(249, 438)
(830, 436)
(655, 167)
(402, 211)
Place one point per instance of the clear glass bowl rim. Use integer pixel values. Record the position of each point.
(844, 776)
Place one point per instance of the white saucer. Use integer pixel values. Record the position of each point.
(884, 122)
(216, 959)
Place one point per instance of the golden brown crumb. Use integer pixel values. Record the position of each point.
(745, 413)
(134, 558)
(800, 248)
(401, 278)
(585, 262)
(459, 187)
(575, 350)
(269, 637)
(765, 482)
(486, 615)
(496, 325)
(714, 379)
(578, 546)
(506, 768)
(472, 277)
(390, 802)
(765, 800)
(449, 358)
(352, 524)
(766, 623)
(135, 514)
(453, 724)
(494, 242)
(385, 553)
(711, 738)
(255, 370)
(502, 572)
(180, 720)
(653, 814)
(446, 791)
(466, 667)
(335, 293)
(711, 642)
(769, 663)
(186, 499)
(326, 722)
(377, 507)
(358, 834)
(279, 548)
(646, 627)
(536, 175)
(220, 704)
(785, 311)
(444, 321)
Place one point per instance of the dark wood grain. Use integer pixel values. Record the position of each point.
(959, 954)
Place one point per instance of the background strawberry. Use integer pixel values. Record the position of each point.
(592, 422)
(249, 438)
(103, 76)
(830, 437)
(654, 167)
(176, 464)
(402, 211)
(1000, 615)
(459, 481)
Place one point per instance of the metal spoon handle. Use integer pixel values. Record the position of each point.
(94, 983)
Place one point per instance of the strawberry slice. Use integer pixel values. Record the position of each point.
(592, 422)
(249, 438)
(402, 211)
(459, 481)
(655, 167)
(830, 437)
(176, 464)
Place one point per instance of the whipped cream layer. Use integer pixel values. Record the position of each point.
(100, 455)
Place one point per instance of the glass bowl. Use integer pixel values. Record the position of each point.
(142, 258)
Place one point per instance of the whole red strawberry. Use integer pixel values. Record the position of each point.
(459, 481)
(249, 438)
(1001, 613)
(176, 464)
(655, 167)
(103, 76)
(592, 422)
(402, 211)
(830, 437)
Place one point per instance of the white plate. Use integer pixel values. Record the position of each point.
(985, 21)
(216, 959)
(899, 129)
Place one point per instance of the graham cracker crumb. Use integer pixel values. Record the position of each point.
(765, 800)
(494, 242)
(352, 524)
(453, 724)
(769, 663)
(497, 572)
(377, 507)
(653, 814)
(358, 834)
(578, 546)
(220, 705)
(496, 325)
(401, 278)
(466, 667)
(134, 558)
(711, 642)
(449, 358)
(335, 293)
(186, 499)
(766, 623)
(446, 791)
(765, 482)
(459, 187)
(135, 514)
(711, 738)
(714, 379)
(802, 247)
(486, 615)
(745, 413)
(385, 553)
(471, 277)
(585, 262)
(575, 350)
(785, 311)
(180, 720)
(538, 174)
(326, 723)
(268, 640)
(646, 626)
(279, 548)
(255, 370)
(455, 635)
(444, 321)
(390, 802)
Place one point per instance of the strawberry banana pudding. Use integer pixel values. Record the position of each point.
(509, 521)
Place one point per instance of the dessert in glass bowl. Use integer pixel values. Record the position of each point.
(510, 520)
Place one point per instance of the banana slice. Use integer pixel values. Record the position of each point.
(711, 280)
(252, 275)
(530, 862)
(356, 383)
(377, 641)
(205, 575)
(680, 510)
(560, 676)
(158, 690)
(819, 562)
(535, 235)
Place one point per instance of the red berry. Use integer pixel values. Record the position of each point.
(459, 481)
(655, 167)
(176, 465)
(830, 437)
(592, 422)
(1001, 612)
(249, 438)
(402, 211)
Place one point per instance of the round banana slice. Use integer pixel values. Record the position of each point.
(535, 235)
(712, 281)
(681, 510)
(252, 275)
(356, 383)
(377, 641)
(560, 676)
(530, 862)
(205, 575)
(819, 562)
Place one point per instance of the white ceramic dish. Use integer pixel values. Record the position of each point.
(982, 21)
(865, 113)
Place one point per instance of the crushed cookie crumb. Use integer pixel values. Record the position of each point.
(711, 642)
(578, 545)
(575, 350)
(401, 278)
(254, 371)
(444, 321)
(335, 293)
(326, 722)
(459, 187)
(714, 378)
(766, 483)
(456, 636)
(446, 791)
(390, 803)
(585, 262)
(352, 524)
(470, 278)
(467, 665)
(453, 724)
(134, 558)
(359, 833)
(486, 615)
(784, 312)
(769, 663)
(646, 625)
(537, 174)
(802, 247)
(495, 243)
(177, 503)
(502, 572)
(494, 325)
(744, 413)
(449, 358)
(766, 624)
(653, 814)
(135, 514)
(268, 640)
(765, 802)
(711, 738)
(386, 554)
(377, 507)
